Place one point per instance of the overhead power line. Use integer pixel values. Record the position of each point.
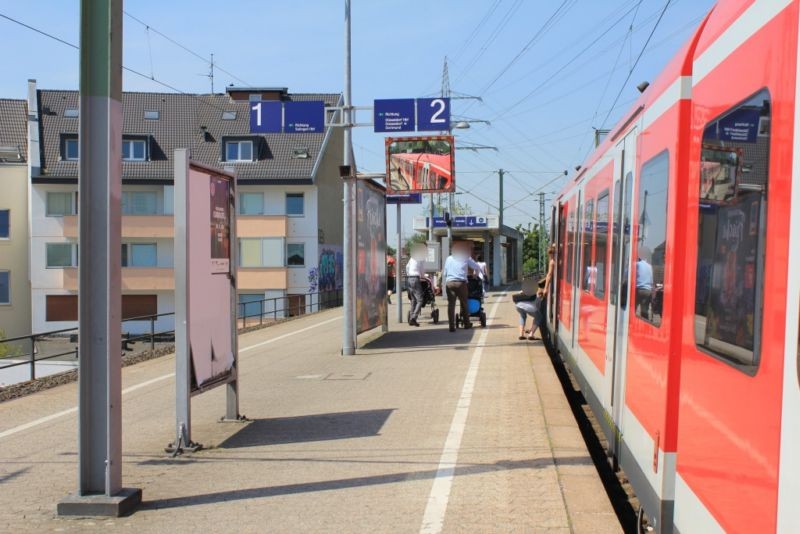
(128, 69)
(641, 53)
(185, 48)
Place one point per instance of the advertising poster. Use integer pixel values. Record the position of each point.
(731, 312)
(220, 225)
(371, 257)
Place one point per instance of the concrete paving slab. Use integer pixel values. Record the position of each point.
(350, 444)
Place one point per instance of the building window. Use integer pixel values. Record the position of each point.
(229, 115)
(589, 273)
(601, 229)
(295, 204)
(61, 255)
(296, 254)
(261, 252)
(732, 229)
(60, 204)
(134, 149)
(71, 113)
(70, 149)
(61, 308)
(652, 238)
(152, 114)
(139, 203)
(5, 224)
(251, 203)
(5, 287)
(139, 306)
(139, 255)
(239, 151)
(251, 304)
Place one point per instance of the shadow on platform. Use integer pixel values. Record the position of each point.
(356, 482)
(307, 428)
(422, 337)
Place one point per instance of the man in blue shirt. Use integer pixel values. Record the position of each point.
(454, 276)
(644, 288)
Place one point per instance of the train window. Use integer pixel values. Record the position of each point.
(652, 238)
(576, 247)
(734, 168)
(562, 238)
(588, 271)
(625, 241)
(601, 245)
(570, 243)
(615, 242)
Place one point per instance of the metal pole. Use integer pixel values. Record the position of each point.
(349, 335)
(430, 226)
(183, 368)
(398, 265)
(500, 173)
(99, 298)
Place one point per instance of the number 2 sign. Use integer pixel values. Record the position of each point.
(433, 114)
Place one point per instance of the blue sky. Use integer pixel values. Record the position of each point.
(541, 106)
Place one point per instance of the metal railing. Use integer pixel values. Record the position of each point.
(62, 345)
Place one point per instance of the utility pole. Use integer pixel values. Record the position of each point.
(100, 490)
(349, 333)
(500, 173)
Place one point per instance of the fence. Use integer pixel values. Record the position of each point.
(62, 345)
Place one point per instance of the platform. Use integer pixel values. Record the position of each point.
(423, 431)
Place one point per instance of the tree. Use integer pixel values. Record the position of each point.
(391, 251)
(530, 250)
(417, 237)
(7, 350)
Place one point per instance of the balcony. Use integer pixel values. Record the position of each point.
(261, 225)
(143, 226)
(133, 279)
(265, 278)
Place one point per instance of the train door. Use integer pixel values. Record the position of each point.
(576, 269)
(617, 338)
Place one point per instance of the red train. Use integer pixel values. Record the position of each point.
(421, 171)
(677, 292)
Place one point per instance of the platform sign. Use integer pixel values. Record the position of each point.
(266, 116)
(412, 198)
(433, 114)
(420, 164)
(394, 115)
(459, 221)
(304, 117)
(740, 126)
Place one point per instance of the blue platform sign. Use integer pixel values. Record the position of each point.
(394, 115)
(411, 198)
(476, 222)
(433, 114)
(459, 221)
(304, 117)
(265, 116)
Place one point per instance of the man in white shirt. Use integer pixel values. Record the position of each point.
(454, 277)
(415, 270)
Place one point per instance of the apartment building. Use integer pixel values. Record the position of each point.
(288, 184)
(15, 290)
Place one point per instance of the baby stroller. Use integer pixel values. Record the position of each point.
(474, 301)
(428, 299)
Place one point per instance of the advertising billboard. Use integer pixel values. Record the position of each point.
(371, 257)
(420, 164)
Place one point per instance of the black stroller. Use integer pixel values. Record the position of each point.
(474, 301)
(428, 299)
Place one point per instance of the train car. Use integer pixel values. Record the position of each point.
(677, 293)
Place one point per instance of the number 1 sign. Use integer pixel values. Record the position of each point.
(433, 114)
(266, 116)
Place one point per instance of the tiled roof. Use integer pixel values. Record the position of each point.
(180, 122)
(13, 121)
